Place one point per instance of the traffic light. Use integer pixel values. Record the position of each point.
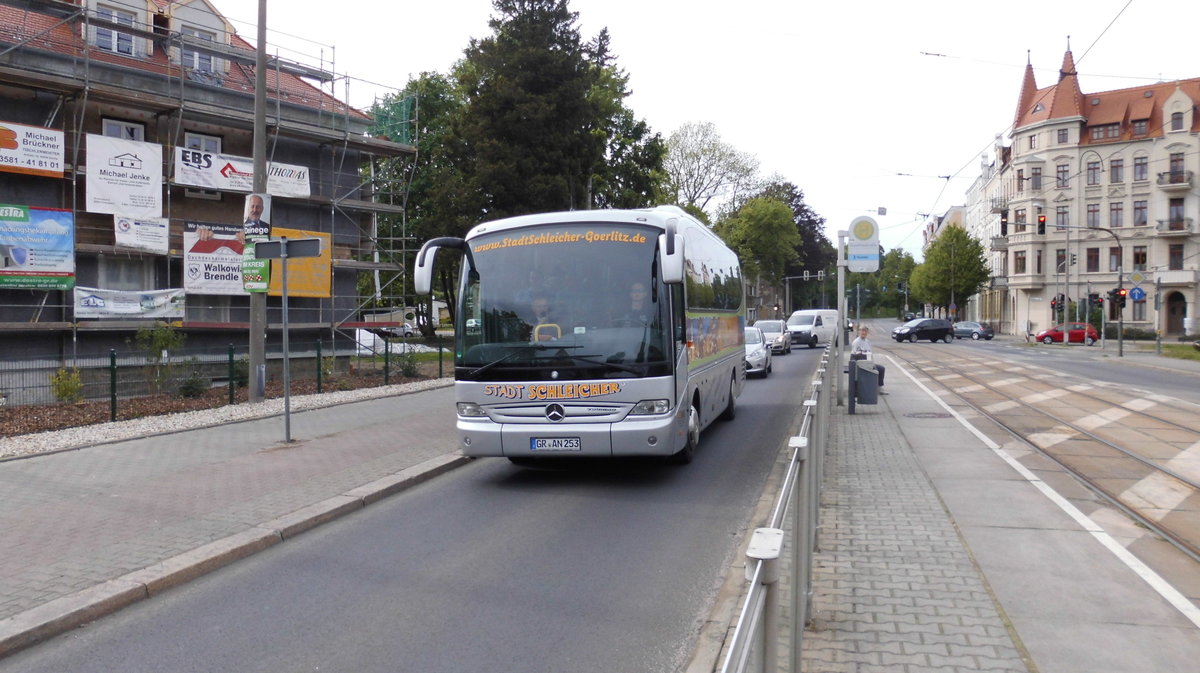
(1099, 301)
(1041, 225)
(1122, 293)
(1072, 259)
(1004, 223)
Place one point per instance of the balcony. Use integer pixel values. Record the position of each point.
(999, 243)
(999, 204)
(1175, 181)
(1182, 226)
(1177, 277)
(999, 281)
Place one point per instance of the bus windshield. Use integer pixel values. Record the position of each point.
(563, 302)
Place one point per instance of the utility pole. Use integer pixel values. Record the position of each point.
(842, 266)
(258, 300)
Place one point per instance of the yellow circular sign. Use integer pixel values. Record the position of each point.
(864, 229)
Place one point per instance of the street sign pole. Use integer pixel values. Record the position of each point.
(281, 249)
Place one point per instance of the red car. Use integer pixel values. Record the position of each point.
(1076, 332)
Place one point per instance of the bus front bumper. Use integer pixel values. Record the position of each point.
(651, 436)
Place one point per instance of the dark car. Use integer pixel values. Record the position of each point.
(966, 329)
(924, 328)
(1076, 332)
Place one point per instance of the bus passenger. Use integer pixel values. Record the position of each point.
(638, 312)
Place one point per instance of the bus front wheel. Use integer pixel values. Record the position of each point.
(688, 452)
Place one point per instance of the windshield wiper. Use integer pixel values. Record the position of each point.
(517, 350)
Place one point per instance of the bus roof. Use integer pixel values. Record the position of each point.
(655, 217)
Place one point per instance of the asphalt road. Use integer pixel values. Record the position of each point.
(590, 567)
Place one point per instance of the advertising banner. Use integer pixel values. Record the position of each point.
(212, 258)
(149, 234)
(227, 172)
(92, 302)
(37, 248)
(124, 177)
(32, 150)
(307, 276)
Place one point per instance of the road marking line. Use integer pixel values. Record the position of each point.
(1111, 415)
(1010, 382)
(1138, 404)
(1157, 495)
(1001, 406)
(1164, 589)
(1042, 397)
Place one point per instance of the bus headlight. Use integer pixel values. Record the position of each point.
(648, 407)
(470, 409)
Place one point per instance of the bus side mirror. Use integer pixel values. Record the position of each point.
(423, 268)
(670, 254)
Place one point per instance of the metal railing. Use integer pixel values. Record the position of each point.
(754, 645)
(120, 378)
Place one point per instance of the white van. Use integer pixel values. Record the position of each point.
(813, 326)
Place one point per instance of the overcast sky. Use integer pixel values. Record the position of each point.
(860, 104)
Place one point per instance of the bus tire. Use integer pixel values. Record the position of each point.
(688, 452)
(730, 412)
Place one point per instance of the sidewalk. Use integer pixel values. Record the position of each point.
(88, 532)
(940, 551)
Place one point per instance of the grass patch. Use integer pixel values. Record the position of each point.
(1181, 351)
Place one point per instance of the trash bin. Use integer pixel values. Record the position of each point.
(866, 382)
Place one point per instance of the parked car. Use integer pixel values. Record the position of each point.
(405, 330)
(909, 316)
(924, 328)
(1076, 332)
(777, 335)
(813, 326)
(967, 329)
(758, 353)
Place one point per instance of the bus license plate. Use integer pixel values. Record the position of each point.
(555, 444)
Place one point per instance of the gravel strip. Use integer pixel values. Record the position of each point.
(89, 435)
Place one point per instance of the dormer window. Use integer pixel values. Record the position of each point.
(1176, 121)
(111, 40)
(1140, 127)
(1105, 131)
(197, 60)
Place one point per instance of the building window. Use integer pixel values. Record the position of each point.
(1175, 212)
(111, 40)
(1139, 258)
(1116, 170)
(1060, 260)
(1063, 175)
(125, 273)
(1020, 179)
(1018, 261)
(1176, 121)
(1114, 259)
(1019, 221)
(1093, 172)
(1064, 136)
(1176, 167)
(1035, 179)
(203, 143)
(1062, 217)
(194, 59)
(1139, 213)
(1116, 214)
(115, 128)
(1175, 257)
(1093, 260)
(1141, 168)
(1139, 310)
(1093, 215)
(1140, 127)
(1033, 142)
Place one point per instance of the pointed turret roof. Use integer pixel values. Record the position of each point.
(1028, 93)
(1068, 99)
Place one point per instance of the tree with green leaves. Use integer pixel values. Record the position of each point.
(955, 268)
(629, 173)
(527, 128)
(814, 252)
(763, 235)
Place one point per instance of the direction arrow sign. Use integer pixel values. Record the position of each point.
(1137, 294)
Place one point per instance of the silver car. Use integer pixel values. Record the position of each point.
(758, 353)
(777, 335)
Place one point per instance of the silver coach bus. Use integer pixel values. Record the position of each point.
(593, 333)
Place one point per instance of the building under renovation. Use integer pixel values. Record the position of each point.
(126, 137)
